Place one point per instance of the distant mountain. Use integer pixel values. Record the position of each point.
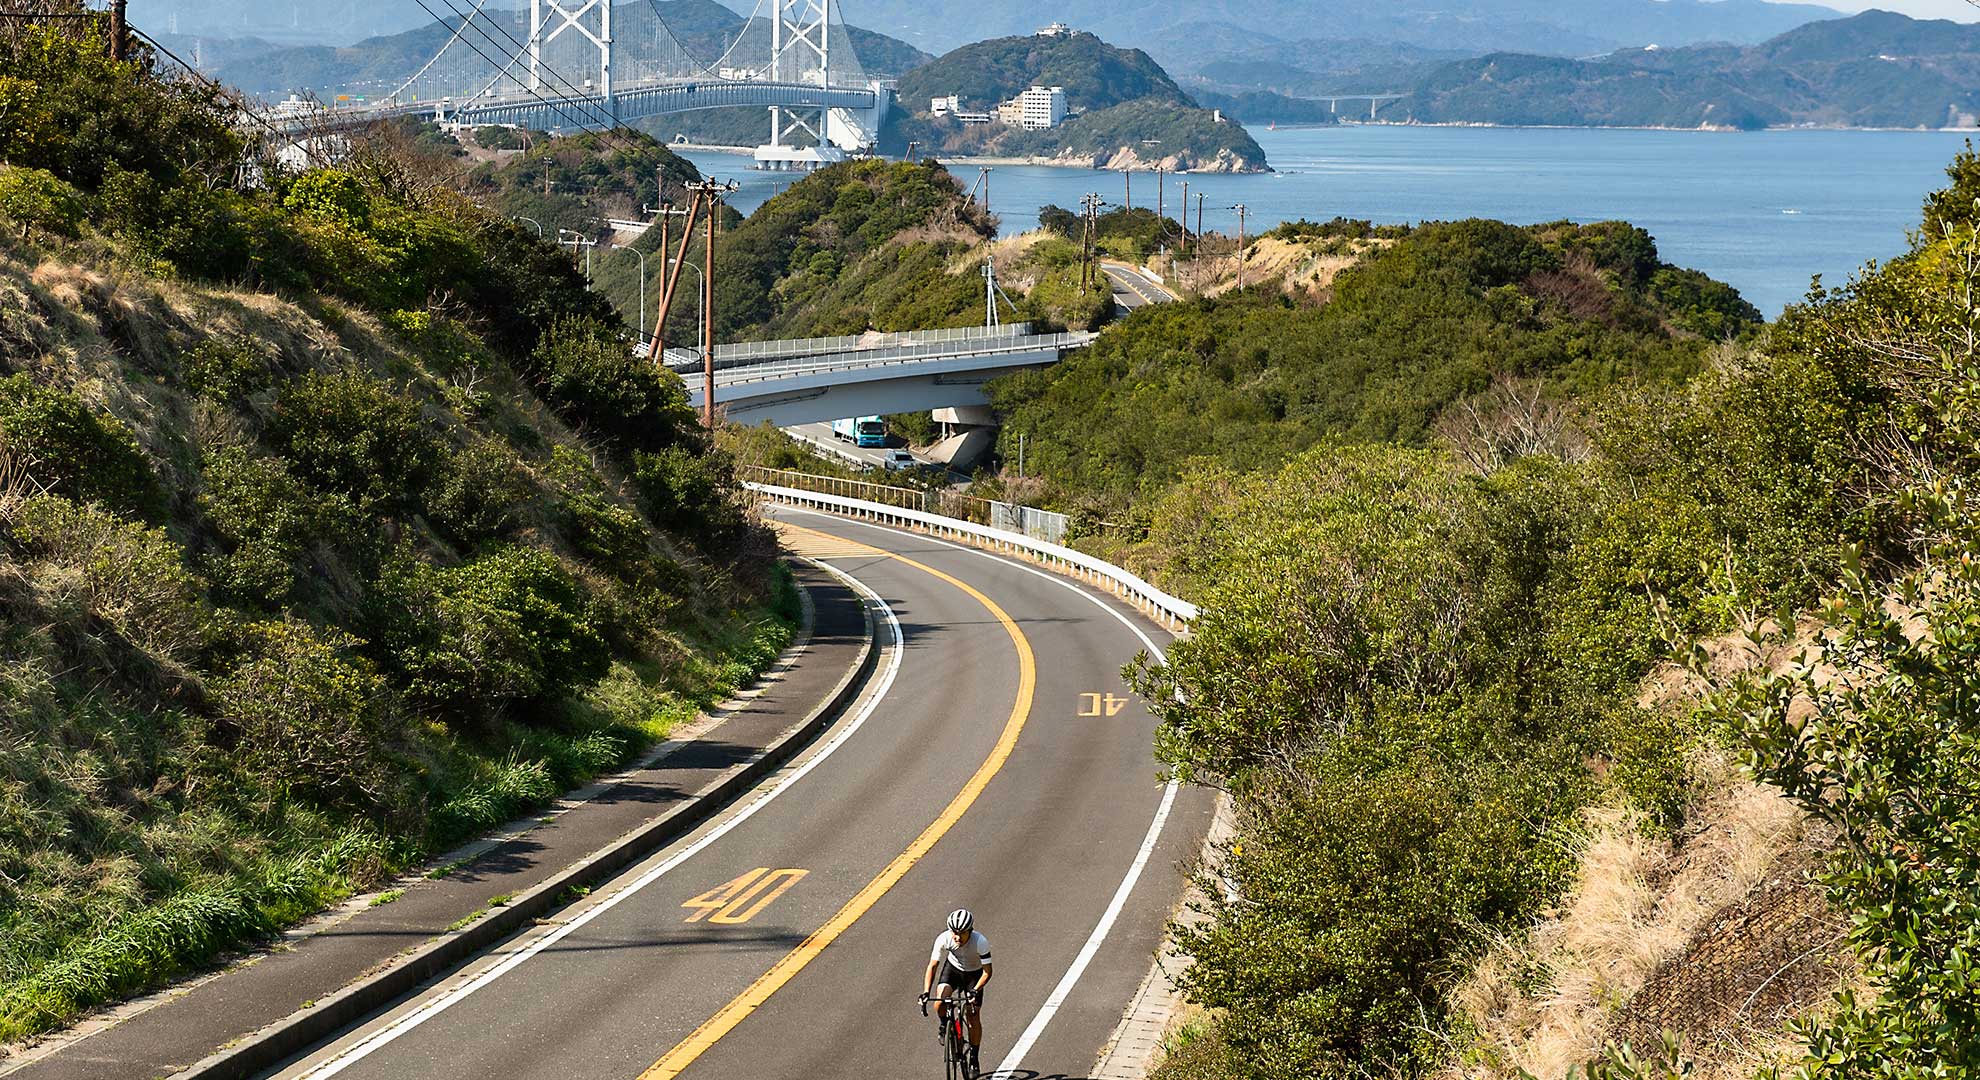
(1562, 27)
(1877, 69)
(376, 65)
(1127, 107)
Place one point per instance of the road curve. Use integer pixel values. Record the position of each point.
(1131, 289)
(788, 936)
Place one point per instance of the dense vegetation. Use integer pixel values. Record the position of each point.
(575, 182)
(1433, 319)
(862, 245)
(336, 525)
(1876, 69)
(1124, 100)
(1428, 611)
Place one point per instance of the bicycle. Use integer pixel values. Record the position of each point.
(955, 1038)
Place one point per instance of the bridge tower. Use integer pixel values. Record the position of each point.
(800, 52)
(549, 19)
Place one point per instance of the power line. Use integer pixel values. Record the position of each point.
(571, 89)
(214, 85)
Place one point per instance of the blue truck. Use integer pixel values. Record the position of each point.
(861, 431)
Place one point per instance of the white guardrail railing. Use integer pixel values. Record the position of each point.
(904, 354)
(1172, 612)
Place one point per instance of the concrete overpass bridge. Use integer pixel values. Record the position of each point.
(787, 383)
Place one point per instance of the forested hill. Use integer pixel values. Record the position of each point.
(1096, 75)
(1127, 108)
(337, 524)
(1426, 317)
(1877, 69)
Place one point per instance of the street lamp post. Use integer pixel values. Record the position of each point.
(537, 224)
(642, 284)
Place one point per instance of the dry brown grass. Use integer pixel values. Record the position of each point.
(1549, 1001)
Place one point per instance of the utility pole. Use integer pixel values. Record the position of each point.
(1240, 208)
(1127, 175)
(575, 241)
(658, 348)
(1160, 184)
(989, 291)
(119, 30)
(1185, 216)
(709, 194)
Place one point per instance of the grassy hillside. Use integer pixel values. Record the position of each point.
(336, 525)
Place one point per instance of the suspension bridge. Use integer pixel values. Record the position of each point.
(565, 64)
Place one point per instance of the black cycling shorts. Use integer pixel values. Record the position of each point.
(958, 978)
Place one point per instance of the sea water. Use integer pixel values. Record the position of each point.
(1765, 211)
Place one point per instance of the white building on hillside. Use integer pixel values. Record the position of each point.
(1037, 109)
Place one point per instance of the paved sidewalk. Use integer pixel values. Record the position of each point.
(356, 958)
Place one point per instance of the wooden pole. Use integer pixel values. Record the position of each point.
(674, 275)
(708, 316)
(119, 33)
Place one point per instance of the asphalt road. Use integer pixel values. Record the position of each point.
(998, 762)
(1131, 290)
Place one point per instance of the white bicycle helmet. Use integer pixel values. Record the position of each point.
(960, 920)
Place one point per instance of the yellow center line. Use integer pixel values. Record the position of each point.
(697, 1043)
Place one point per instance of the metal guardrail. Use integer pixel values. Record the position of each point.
(900, 355)
(939, 501)
(742, 353)
(1172, 612)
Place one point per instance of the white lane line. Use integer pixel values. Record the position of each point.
(1015, 1059)
(453, 997)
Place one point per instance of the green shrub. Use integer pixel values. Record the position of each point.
(130, 576)
(268, 519)
(609, 536)
(73, 450)
(688, 493)
(36, 200)
(477, 493)
(351, 434)
(226, 369)
(589, 373)
(306, 717)
(508, 629)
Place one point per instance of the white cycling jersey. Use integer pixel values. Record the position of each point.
(971, 955)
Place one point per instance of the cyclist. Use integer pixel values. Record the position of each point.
(960, 960)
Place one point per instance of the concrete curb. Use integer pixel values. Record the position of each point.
(290, 1036)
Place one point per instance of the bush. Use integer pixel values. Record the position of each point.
(351, 434)
(74, 451)
(477, 494)
(509, 629)
(128, 575)
(226, 370)
(691, 494)
(589, 373)
(36, 200)
(268, 518)
(306, 717)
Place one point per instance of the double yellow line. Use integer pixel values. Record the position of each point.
(697, 1043)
